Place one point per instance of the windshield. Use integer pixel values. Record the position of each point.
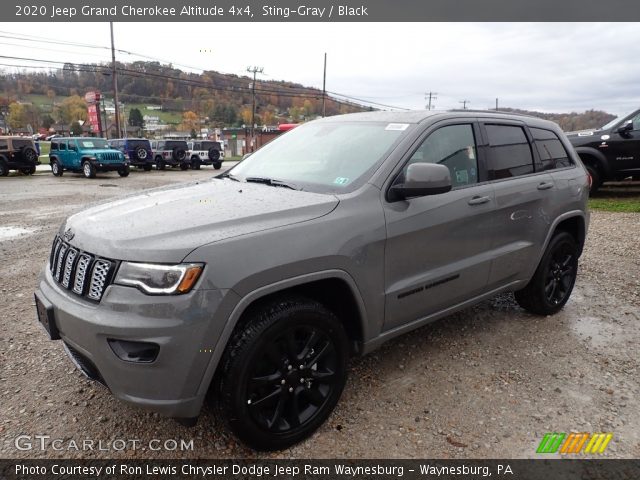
(93, 144)
(324, 157)
(611, 123)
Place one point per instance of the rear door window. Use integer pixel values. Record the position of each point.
(550, 150)
(509, 152)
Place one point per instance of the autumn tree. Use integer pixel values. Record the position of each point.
(72, 109)
(189, 121)
(17, 116)
(76, 129)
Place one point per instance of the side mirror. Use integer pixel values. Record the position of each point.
(423, 179)
(626, 128)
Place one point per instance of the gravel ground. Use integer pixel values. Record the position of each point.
(487, 382)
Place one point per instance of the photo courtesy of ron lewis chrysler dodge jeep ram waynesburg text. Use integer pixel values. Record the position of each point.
(335, 237)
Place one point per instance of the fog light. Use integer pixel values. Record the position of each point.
(139, 352)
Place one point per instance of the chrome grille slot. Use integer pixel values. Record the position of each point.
(54, 254)
(80, 271)
(61, 253)
(68, 267)
(84, 262)
(99, 277)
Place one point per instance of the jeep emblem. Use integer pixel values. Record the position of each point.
(68, 235)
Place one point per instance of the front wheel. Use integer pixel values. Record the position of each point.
(217, 166)
(4, 168)
(184, 166)
(124, 171)
(283, 373)
(56, 168)
(551, 285)
(147, 167)
(88, 170)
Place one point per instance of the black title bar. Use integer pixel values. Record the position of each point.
(320, 10)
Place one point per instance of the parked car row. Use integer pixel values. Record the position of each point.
(89, 156)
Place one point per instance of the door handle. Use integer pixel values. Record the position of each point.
(545, 185)
(478, 200)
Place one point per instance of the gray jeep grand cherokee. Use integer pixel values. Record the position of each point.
(339, 235)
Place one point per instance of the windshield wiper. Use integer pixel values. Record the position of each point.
(271, 182)
(229, 176)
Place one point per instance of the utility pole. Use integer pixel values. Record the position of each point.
(430, 96)
(464, 103)
(324, 85)
(115, 80)
(254, 70)
(496, 103)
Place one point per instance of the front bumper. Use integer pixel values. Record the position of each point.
(182, 325)
(101, 166)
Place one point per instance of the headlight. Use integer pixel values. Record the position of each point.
(159, 279)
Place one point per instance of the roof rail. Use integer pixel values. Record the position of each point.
(501, 112)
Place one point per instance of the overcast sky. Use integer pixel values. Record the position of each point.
(553, 67)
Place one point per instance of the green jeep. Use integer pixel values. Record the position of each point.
(87, 156)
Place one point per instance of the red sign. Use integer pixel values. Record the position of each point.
(92, 97)
(94, 118)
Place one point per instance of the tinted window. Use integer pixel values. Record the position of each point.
(173, 144)
(509, 151)
(62, 145)
(54, 145)
(550, 150)
(133, 144)
(18, 143)
(3, 145)
(208, 145)
(455, 147)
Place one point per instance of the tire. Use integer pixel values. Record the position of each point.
(56, 168)
(550, 288)
(147, 167)
(185, 166)
(160, 165)
(124, 172)
(29, 155)
(214, 154)
(4, 168)
(298, 349)
(28, 170)
(178, 154)
(88, 170)
(140, 153)
(596, 179)
(195, 163)
(217, 166)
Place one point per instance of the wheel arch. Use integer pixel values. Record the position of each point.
(575, 223)
(336, 289)
(591, 156)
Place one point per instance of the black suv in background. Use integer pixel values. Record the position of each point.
(611, 152)
(18, 153)
(136, 150)
(170, 153)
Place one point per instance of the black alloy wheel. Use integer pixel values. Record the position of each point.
(284, 373)
(551, 286)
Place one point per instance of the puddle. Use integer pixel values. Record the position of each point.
(11, 232)
(597, 332)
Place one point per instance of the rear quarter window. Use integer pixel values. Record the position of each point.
(4, 145)
(550, 150)
(509, 151)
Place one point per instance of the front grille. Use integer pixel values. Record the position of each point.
(109, 156)
(81, 272)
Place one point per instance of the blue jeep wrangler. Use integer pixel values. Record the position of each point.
(136, 150)
(87, 156)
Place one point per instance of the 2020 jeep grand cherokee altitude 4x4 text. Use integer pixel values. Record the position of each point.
(611, 152)
(335, 237)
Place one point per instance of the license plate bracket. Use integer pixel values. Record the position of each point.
(46, 317)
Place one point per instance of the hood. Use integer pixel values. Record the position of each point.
(581, 137)
(164, 225)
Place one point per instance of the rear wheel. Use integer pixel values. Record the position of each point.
(160, 165)
(217, 166)
(195, 163)
(184, 166)
(88, 169)
(551, 285)
(56, 168)
(4, 168)
(596, 178)
(283, 373)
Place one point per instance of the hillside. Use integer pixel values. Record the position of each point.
(570, 122)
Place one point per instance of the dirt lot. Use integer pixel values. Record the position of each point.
(485, 383)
